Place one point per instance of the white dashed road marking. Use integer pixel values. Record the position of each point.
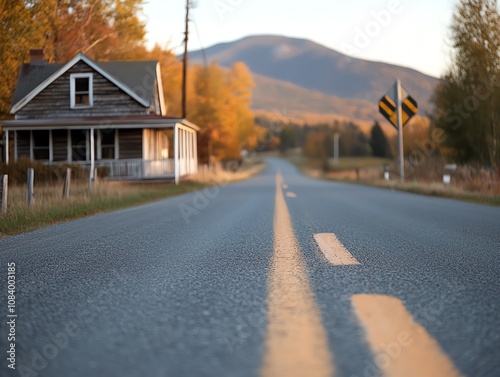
(334, 251)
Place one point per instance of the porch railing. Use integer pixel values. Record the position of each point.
(138, 169)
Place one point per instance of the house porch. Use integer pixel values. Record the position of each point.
(157, 148)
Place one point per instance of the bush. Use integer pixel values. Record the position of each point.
(44, 173)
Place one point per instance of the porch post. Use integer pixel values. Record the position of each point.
(176, 154)
(117, 145)
(51, 147)
(7, 147)
(195, 133)
(68, 145)
(15, 145)
(191, 168)
(193, 158)
(99, 144)
(92, 157)
(32, 154)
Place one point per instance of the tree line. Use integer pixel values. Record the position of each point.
(106, 30)
(316, 140)
(467, 101)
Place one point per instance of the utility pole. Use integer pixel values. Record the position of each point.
(185, 61)
(336, 148)
(399, 101)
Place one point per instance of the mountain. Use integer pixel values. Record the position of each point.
(276, 95)
(309, 77)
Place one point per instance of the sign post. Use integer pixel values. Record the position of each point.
(398, 107)
(400, 132)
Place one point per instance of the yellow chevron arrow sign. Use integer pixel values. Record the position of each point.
(387, 108)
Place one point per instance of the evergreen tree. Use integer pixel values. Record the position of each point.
(288, 138)
(379, 143)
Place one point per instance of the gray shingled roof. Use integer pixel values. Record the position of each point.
(30, 76)
(138, 76)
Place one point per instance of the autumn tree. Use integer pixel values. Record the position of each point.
(101, 29)
(16, 38)
(468, 99)
(128, 30)
(219, 103)
(241, 84)
(171, 73)
(314, 146)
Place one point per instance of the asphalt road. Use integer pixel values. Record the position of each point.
(182, 287)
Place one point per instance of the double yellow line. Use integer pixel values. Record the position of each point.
(296, 339)
(296, 342)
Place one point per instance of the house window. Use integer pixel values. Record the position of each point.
(81, 90)
(41, 145)
(108, 144)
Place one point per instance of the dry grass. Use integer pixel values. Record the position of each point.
(217, 175)
(49, 208)
(453, 191)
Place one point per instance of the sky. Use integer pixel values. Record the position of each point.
(410, 33)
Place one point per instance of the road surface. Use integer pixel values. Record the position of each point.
(280, 275)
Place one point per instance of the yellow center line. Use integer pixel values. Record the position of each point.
(401, 346)
(334, 251)
(296, 340)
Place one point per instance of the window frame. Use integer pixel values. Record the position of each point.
(102, 146)
(72, 87)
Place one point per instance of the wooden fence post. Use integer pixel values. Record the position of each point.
(31, 178)
(67, 183)
(4, 186)
(90, 182)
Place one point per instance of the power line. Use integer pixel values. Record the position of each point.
(205, 63)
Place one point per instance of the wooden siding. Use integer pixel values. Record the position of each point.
(130, 142)
(54, 101)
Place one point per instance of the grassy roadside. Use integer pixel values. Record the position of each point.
(430, 189)
(49, 208)
(435, 189)
(106, 197)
